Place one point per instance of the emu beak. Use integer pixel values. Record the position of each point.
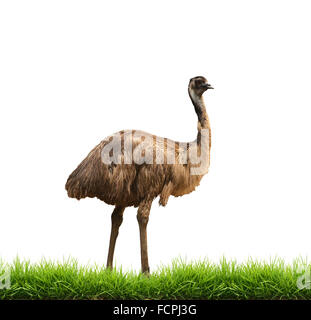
(208, 86)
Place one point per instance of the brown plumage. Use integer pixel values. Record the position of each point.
(132, 168)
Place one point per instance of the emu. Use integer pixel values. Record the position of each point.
(163, 167)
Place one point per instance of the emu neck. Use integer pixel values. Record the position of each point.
(199, 106)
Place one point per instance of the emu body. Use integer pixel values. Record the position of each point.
(124, 184)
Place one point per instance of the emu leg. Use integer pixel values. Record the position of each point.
(143, 217)
(116, 220)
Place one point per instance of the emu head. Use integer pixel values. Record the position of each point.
(198, 85)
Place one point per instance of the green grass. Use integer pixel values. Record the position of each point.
(181, 280)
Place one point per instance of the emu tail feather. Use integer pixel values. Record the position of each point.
(84, 180)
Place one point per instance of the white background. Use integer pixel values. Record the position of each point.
(74, 72)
